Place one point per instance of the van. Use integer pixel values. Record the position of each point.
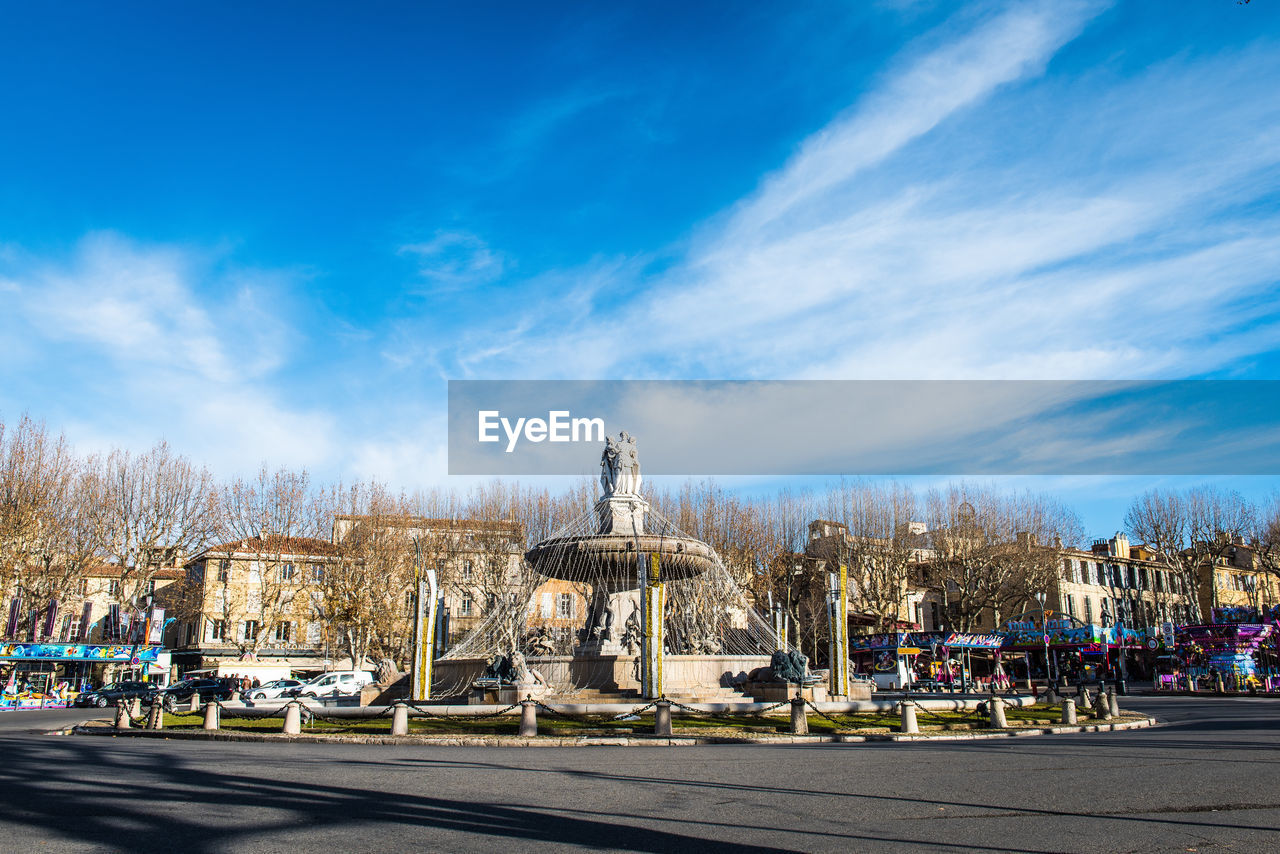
(337, 683)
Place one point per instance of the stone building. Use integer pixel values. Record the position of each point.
(1235, 580)
(480, 563)
(253, 599)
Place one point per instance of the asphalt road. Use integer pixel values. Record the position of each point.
(1208, 781)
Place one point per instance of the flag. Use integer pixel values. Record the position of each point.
(155, 631)
(51, 618)
(15, 608)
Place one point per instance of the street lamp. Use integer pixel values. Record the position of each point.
(1042, 598)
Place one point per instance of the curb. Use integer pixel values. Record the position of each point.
(603, 741)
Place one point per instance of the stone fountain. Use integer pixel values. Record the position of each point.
(616, 553)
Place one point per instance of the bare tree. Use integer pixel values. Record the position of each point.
(1265, 539)
(364, 594)
(990, 550)
(273, 522)
(1189, 533)
(48, 535)
(878, 544)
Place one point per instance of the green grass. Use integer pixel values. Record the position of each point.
(549, 724)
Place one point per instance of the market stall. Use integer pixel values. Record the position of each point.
(37, 675)
(1240, 654)
(929, 661)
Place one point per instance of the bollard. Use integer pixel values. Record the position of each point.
(1102, 708)
(400, 719)
(1068, 712)
(1217, 684)
(1051, 697)
(1113, 704)
(1086, 699)
(155, 717)
(528, 718)
(211, 715)
(193, 705)
(997, 720)
(907, 710)
(122, 715)
(292, 719)
(799, 721)
(662, 718)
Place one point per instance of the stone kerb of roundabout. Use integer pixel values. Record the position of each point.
(670, 723)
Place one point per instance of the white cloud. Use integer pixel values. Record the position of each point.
(126, 348)
(965, 220)
(454, 259)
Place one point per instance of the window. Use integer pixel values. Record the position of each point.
(1071, 605)
(564, 606)
(548, 608)
(217, 630)
(287, 572)
(284, 632)
(224, 570)
(1088, 609)
(317, 573)
(314, 633)
(82, 587)
(468, 569)
(251, 630)
(466, 607)
(113, 588)
(151, 588)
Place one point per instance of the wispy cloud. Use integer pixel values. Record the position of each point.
(456, 259)
(969, 217)
(142, 352)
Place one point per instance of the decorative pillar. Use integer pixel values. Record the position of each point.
(839, 647)
(292, 719)
(997, 719)
(662, 718)
(799, 720)
(400, 719)
(1068, 712)
(424, 636)
(528, 718)
(653, 600)
(907, 711)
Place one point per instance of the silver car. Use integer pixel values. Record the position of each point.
(271, 690)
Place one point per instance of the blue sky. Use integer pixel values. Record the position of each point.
(274, 232)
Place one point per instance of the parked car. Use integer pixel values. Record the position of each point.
(271, 690)
(338, 683)
(208, 688)
(113, 692)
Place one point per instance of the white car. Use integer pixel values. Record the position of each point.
(271, 690)
(339, 683)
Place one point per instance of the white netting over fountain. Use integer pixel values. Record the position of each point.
(573, 607)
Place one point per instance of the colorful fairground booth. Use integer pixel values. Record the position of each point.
(1058, 647)
(1237, 652)
(929, 661)
(48, 675)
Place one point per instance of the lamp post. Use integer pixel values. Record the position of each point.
(1042, 598)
